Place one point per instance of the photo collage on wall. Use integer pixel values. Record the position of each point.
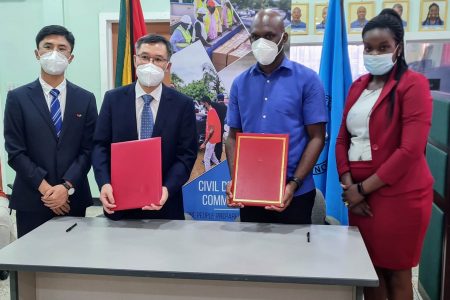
(432, 16)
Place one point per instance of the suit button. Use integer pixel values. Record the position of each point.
(375, 147)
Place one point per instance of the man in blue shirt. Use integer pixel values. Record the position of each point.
(361, 21)
(399, 9)
(296, 22)
(321, 25)
(279, 96)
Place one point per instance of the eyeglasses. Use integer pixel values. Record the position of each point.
(147, 58)
(45, 49)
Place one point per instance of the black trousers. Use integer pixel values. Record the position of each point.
(218, 149)
(30, 220)
(298, 212)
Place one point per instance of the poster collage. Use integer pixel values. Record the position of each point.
(211, 41)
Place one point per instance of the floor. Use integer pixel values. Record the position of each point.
(96, 210)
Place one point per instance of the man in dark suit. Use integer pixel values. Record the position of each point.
(221, 109)
(48, 127)
(144, 109)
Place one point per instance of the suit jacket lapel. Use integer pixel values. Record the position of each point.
(129, 107)
(357, 89)
(385, 92)
(69, 110)
(362, 84)
(36, 95)
(163, 111)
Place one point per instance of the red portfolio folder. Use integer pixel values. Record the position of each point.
(260, 162)
(136, 173)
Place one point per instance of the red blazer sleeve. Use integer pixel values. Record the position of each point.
(416, 112)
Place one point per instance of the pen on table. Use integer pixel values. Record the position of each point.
(71, 227)
(307, 236)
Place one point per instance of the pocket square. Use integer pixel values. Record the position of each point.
(78, 115)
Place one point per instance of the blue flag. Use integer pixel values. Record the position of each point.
(336, 77)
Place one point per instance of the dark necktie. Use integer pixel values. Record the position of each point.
(55, 111)
(146, 118)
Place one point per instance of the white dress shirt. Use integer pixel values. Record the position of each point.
(358, 125)
(156, 94)
(62, 94)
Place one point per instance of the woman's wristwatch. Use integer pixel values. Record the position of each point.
(361, 189)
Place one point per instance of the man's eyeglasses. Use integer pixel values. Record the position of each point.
(147, 59)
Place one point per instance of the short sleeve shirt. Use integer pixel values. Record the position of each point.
(213, 120)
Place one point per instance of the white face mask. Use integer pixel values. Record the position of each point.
(54, 63)
(379, 64)
(266, 51)
(149, 74)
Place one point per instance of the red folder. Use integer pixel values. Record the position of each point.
(260, 165)
(136, 173)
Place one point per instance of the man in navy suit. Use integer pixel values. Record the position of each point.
(144, 109)
(48, 127)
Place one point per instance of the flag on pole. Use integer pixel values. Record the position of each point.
(131, 28)
(336, 77)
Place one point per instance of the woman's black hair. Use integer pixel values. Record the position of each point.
(427, 20)
(389, 19)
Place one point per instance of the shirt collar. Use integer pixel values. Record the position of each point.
(285, 64)
(47, 87)
(156, 94)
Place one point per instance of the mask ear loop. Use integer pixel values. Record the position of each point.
(397, 56)
(165, 68)
(282, 46)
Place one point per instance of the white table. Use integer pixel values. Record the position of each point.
(153, 259)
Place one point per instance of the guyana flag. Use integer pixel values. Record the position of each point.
(131, 28)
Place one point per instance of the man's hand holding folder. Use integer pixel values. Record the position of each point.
(136, 177)
(287, 198)
(165, 195)
(107, 199)
(259, 175)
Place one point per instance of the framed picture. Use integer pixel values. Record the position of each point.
(402, 8)
(320, 17)
(299, 18)
(359, 13)
(433, 15)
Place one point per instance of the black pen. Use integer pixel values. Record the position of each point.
(71, 227)
(307, 236)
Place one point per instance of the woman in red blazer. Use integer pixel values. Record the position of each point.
(380, 154)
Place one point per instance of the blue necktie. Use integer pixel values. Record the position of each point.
(55, 111)
(146, 118)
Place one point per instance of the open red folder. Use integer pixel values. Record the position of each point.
(136, 173)
(260, 163)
